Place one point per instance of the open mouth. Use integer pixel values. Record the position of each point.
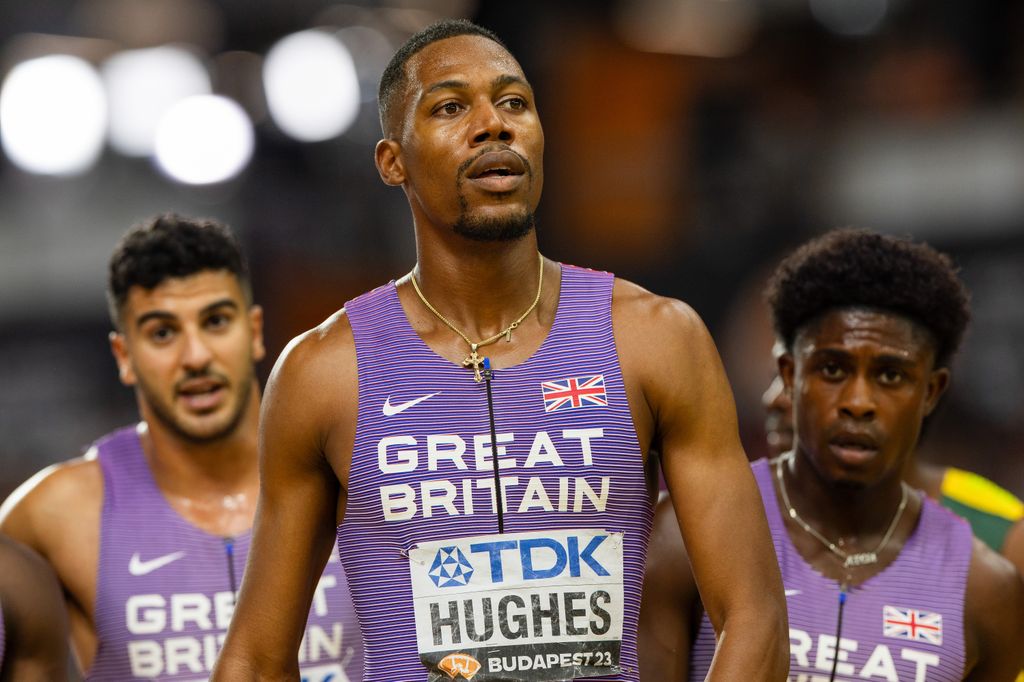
(854, 447)
(202, 395)
(497, 170)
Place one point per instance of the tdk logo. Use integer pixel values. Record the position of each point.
(450, 568)
(536, 558)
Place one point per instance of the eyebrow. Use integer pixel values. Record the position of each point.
(164, 315)
(882, 358)
(498, 82)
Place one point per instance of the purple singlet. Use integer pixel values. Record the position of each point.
(164, 587)
(442, 595)
(903, 625)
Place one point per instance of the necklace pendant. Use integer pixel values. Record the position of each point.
(475, 362)
(860, 559)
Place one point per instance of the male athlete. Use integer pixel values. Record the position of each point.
(33, 624)
(149, 531)
(995, 514)
(881, 582)
(476, 434)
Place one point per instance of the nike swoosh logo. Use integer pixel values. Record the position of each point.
(792, 593)
(391, 410)
(139, 567)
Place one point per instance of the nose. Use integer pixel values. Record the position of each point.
(775, 398)
(196, 354)
(856, 399)
(489, 125)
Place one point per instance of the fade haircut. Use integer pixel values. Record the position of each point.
(393, 80)
(861, 269)
(171, 246)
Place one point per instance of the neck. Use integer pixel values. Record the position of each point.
(858, 515)
(480, 289)
(926, 477)
(198, 470)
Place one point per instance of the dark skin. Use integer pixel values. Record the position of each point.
(467, 107)
(861, 383)
(35, 624)
(778, 426)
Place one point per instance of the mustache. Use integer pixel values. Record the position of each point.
(193, 374)
(461, 172)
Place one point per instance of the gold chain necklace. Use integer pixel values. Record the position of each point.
(849, 560)
(474, 360)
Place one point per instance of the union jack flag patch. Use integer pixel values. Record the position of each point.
(913, 625)
(566, 394)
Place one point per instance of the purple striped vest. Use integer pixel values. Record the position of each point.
(164, 587)
(439, 594)
(903, 625)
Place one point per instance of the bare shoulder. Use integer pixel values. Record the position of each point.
(1013, 545)
(328, 346)
(640, 314)
(64, 496)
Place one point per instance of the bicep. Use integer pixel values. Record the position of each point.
(36, 620)
(716, 499)
(295, 520)
(995, 616)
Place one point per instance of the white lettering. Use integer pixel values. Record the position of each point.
(223, 609)
(183, 652)
(399, 501)
(482, 451)
(799, 646)
(445, 500)
(583, 488)
(467, 496)
(923, 659)
(535, 496)
(543, 450)
(880, 664)
(325, 583)
(584, 436)
(406, 460)
(186, 608)
(146, 658)
(828, 654)
(144, 614)
(436, 453)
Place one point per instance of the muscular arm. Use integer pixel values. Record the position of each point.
(669, 598)
(36, 626)
(1013, 546)
(666, 348)
(57, 504)
(993, 617)
(308, 412)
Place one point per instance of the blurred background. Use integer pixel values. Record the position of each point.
(690, 143)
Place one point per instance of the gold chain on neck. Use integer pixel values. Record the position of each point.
(849, 560)
(474, 360)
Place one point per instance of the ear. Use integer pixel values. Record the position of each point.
(388, 157)
(118, 346)
(259, 350)
(938, 382)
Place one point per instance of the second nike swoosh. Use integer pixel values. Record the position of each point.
(391, 410)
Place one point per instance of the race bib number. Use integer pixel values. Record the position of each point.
(542, 605)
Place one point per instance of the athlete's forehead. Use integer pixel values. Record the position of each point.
(460, 59)
(182, 296)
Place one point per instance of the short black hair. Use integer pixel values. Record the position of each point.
(169, 246)
(393, 78)
(850, 268)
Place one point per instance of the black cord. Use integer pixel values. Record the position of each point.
(229, 549)
(488, 374)
(839, 632)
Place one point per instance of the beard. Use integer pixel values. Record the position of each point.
(165, 415)
(505, 229)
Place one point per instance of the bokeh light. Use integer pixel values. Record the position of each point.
(203, 140)
(53, 115)
(312, 86)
